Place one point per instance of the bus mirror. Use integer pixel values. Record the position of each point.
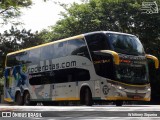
(113, 53)
(156, 61)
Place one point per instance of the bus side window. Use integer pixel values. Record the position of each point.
(17, 59)
(59, 78)
(12, 60)
(34, 56)
(23, 57)
(60, 49)
(97, 42)
(82, 75)
(70, 77)
(47, 52)
(77, 47)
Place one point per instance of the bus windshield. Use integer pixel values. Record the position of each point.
(126, 44)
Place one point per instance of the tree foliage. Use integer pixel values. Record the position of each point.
(10, 9)
(15, 39)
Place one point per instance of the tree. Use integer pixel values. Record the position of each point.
(10, 9)
(16, 39)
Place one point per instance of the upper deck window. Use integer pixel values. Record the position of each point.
(17, 59)
(97, 42)
(126, 44)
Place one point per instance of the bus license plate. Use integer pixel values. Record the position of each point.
(136, 97)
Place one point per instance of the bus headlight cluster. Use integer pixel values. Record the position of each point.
(149, 89)
(117, 86)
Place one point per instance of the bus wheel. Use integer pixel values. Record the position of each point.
(88, 97)
(18, 100)
(26, 99)
(119, 103)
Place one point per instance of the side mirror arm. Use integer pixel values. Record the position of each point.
(155, 59)
(113, 53)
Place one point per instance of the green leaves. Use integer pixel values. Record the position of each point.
(10, 9)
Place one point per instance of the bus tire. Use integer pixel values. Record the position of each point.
(26, 99)
(18, 99)
(88, 97)
(119, 103)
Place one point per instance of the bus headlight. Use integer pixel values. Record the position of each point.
(149, 89)
(120, 87)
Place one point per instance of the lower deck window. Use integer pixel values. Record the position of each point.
(59, 76)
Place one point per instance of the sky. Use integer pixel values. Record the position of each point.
(40, 15)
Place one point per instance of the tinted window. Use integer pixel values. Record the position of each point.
(34, 56)
(73, 45)
(77, 47)
(60, 49)
(97, 42)
(17, 59)
(42, 78)
(24, 57)
(126, 44)
(47, 52)
(12, 61)
(103, 64)
(71, 75)
(82, 75)
(59, 76)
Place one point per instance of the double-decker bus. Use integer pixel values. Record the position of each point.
(96, 66)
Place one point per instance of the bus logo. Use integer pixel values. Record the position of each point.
(149, 7)
(105, 89)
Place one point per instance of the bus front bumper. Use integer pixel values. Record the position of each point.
(129, 92)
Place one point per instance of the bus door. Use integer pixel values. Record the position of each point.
(72, 88)
(65, 91)
(67, 87)
(60, 91)
(47, 91)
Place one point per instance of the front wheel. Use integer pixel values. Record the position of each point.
(88, 97)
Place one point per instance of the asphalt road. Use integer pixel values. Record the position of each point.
(104, 112)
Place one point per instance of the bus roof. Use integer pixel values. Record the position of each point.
(70, 38)
(108, 32)
(50, 43)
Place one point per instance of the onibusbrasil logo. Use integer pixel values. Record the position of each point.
(149, 7)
